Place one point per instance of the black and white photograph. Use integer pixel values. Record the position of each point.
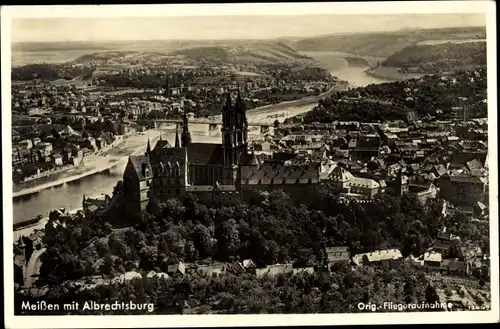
(288, 163)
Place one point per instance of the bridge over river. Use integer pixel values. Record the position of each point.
(213, 124)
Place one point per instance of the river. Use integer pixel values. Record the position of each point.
(70, 195)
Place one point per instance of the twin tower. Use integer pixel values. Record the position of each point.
(234, 131)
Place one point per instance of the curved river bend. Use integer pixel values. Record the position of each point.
(70, 195)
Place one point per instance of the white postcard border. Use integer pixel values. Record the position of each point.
(428, 7)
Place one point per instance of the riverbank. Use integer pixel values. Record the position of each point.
(94, 164)
(40, 226)
(391, 73)
(298, 102)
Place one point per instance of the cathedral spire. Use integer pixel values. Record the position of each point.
(148, 148)
(240, 105)
(177, 143)
(186, 135)
(228, 106)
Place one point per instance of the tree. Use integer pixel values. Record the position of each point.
(431, 295)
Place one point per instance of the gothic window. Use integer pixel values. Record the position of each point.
(178, 191)
(169, 192)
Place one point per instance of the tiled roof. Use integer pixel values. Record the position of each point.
(379, 255)
(267, 174)
(205, 154)
(162, 144)
(432, 256)
(251, 159)
(137, 161)
(171, 156)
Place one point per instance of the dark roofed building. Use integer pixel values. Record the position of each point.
(136, 181)
(214, 172)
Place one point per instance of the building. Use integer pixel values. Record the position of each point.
(432, 260)
(223, 172)
(391, 256)
(367, 147)
(350, 184)
(462, 189)
(337, 255)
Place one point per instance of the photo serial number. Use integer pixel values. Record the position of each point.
(86, 306)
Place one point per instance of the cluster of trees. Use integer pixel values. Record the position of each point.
(445, 56)
(389, 101)
(469, 230)
(338, 292)
(270, 229)
(50, 72)
(306, 73)
(332, 109)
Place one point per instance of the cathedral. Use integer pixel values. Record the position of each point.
(213, 172)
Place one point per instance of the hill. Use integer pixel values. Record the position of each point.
(244, 53)
(446, 56)
(222, 52)
(384, 44)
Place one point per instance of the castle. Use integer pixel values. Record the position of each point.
(214, 172)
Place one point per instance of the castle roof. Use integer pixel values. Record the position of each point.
(137, 162)
(251, 159)
(205, 154)
(280, 174)
(162, 144)
(168, 156)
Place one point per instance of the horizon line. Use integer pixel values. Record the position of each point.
(260, 39)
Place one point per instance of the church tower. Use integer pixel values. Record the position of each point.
(177, 143)
(186, 135)
(228, 138)
(242, 123)
(234, 137)
(234, 131)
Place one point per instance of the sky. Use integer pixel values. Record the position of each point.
(224, 27)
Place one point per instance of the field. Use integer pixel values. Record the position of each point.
(384, 44)
(438, 42)
(463, 293)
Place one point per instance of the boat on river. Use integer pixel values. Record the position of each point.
(28, 223)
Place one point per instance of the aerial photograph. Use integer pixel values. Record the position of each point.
(250, 164)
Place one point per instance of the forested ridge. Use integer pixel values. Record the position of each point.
(444, 56)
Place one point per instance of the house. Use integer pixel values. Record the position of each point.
(309, 270)
(274, 270)
(480, 209)
(392, 256)
(432, 260)
(26, 144)
(462, 189)
(178, 269)
(337, 255)
(471, 253)
(348, 183)
(58, 159)
(128, 276)
(249, 266)
(161, 275)
(454, 267)
(214, 269)
(366, 147)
